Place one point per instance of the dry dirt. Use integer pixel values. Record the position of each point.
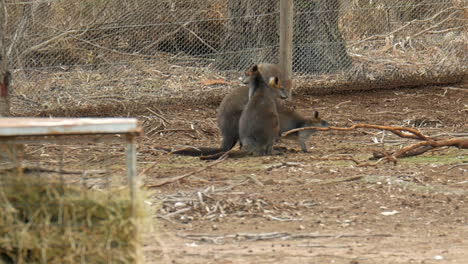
(291, 208)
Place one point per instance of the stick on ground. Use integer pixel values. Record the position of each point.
(427, 143)
(177, 178)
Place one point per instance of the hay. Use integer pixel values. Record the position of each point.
(45, 221)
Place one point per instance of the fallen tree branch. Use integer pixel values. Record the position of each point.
(461, 143)
(427, 143)
(219, 239)
(414, 152)
(399, 131)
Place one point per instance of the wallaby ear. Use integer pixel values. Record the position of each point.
(273, 82)
(255, 68)
(316, 114)
(252, 70)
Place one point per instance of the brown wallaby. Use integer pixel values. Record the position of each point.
(259, 124)
(231, 108)
(233, 104)
(290, 119)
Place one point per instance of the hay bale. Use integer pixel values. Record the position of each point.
(45, 221)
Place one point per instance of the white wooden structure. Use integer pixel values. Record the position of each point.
(14, 131)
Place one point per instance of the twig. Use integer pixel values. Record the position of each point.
(284, 164)
(112, 50)
(143, 172)
(283, 219)
(342, 103)
(177, 178)
(184, 26)
(255, 180)
(167, 35)
(457, 165)
(435, 25)
(456, 142)
(158, 115)
(402, 27)
(335, 159)
(454, 88)
(303, 236)
(270, 236)
(185, 148)
(411, 153)
(446, 30)
(183, 210)
(174, 130)
(343, 179)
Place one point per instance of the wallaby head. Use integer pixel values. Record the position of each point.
(304, 135)
(279, 90)
(274, 82)
(316, 120)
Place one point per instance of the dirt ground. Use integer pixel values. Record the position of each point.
(294, 208)
(291, 208)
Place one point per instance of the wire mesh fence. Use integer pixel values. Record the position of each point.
(141, 45)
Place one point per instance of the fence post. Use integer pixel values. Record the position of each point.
(5, 75)
(286, 40)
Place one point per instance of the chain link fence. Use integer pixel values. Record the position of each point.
(77, 52)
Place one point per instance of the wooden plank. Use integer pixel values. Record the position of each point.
(66, 126)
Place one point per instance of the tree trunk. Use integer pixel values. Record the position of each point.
(252, 36)
(319, 46)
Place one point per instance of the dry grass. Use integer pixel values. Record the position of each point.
(47, 222)
(125, 73)
(136, 89)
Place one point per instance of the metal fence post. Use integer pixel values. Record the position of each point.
(132, 169)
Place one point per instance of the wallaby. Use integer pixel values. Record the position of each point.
(231, 108)
(259, 124)
(290, 119)
(233, 104)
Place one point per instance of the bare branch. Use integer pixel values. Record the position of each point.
(427, 143)
(414, 133)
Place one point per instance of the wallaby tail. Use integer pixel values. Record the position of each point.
(196, 151)
(213, 156)
(226, 154)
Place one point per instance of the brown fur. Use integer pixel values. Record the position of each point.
(230, 110)
(259, 123)
(291, 119)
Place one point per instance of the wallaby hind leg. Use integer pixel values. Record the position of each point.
(303, 138)
(271, 151)
(229, 142)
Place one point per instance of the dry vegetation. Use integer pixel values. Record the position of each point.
(113, 55)
(44, 221)
(281, 209)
